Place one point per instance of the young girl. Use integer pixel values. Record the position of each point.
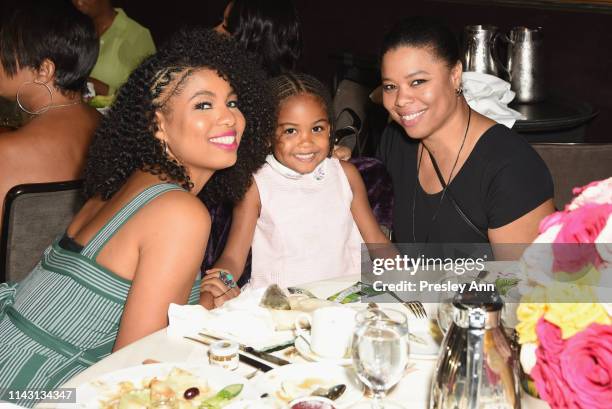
(307, 214)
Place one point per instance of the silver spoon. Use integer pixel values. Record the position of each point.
(332, 393)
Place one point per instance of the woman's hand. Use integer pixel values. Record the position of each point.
(221, 287)
(100, 87)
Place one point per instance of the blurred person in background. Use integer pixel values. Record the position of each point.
(47, 50)
(124, 43)
(269, 29)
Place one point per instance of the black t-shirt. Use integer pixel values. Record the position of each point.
(502, 179)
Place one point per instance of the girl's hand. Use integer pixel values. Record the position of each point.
(341, 152)
(220, 284)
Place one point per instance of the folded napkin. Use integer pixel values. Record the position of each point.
(186, 320)
(490, 96)
(240, 319)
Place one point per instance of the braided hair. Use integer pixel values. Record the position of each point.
(125, 141)
(290, 84)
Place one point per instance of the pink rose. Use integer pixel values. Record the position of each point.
(574, 246)
(598, 192)
(551, 220)
(549, 337)
(577, 190)
(586, 365)
(547, 373)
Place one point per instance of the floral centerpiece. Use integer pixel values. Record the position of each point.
(564, 319)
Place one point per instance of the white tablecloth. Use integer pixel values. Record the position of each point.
(412, 391)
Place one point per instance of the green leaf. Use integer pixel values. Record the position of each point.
(504, 285)
(222, 397)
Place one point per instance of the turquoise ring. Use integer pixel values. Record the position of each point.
(227, 279)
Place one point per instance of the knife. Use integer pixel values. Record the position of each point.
(250, 350)
(241, 357)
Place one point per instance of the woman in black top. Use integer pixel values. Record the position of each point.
(497, 187)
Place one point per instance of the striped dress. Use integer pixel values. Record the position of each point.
(64, 316)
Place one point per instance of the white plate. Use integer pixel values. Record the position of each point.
(329, 374)
(303, 347)
(91, 393)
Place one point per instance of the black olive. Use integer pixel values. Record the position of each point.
(191, 393)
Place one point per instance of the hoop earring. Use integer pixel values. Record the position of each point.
(43, 109)
(459, 91)
(168, 152)
(165, 147)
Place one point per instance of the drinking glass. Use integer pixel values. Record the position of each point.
(380, 353)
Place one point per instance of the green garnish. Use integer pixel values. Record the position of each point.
(504, 285)
(222, 397)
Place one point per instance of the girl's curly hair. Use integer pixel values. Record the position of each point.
(125, 141)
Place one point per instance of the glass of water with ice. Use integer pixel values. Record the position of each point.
(380, 353)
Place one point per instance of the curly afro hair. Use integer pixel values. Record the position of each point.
(125, 141)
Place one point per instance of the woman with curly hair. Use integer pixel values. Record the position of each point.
(188, 119)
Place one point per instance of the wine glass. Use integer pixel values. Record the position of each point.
(380, 353)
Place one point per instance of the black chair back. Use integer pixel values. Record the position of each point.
(34, 215)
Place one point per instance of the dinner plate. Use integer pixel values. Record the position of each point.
(289, 382)
(303, 348)
(92, 393)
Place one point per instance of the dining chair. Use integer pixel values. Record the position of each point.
(34, 215)
(350, 105)
(575, 164)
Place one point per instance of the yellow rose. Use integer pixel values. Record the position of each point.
(528, 315)
(574, 317)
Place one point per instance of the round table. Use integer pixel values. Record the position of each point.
(555, 119)
(412, 391)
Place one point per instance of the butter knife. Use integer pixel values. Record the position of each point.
(273, 359)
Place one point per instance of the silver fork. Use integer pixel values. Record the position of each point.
(411, 336)
(415, 307)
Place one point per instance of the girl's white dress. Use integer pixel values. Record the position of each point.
(305, 231)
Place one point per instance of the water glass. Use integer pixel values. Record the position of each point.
(380, 353)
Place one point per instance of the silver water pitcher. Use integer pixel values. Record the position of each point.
(476, 368)
(480, 52)
(524, 66)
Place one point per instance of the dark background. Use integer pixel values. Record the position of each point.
(577, 43)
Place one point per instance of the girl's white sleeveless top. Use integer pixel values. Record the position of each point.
(305, 231)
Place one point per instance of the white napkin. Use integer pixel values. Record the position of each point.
(240, 319)
(490, 96)
(186, 320)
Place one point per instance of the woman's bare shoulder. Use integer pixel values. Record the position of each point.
(178, 208)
